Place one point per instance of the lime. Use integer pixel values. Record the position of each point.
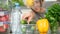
(23, 29)
(32, 28)
(23, 22)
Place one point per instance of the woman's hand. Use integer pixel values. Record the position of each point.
(28, 16)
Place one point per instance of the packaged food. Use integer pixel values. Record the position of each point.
(4, 20)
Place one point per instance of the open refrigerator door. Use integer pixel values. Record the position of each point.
(18, 25)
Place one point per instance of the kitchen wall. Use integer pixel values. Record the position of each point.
(58, 0)
(50, 0)
(49, 3)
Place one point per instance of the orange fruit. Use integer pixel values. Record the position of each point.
(42, 25)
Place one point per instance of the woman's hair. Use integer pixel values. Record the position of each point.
(41, 2)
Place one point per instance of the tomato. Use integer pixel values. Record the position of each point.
(5, 26)
(2, 29)
(3, 19)
(7, 17)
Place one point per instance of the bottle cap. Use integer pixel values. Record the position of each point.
(16, 4)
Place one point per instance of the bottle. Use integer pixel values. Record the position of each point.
(15, 19)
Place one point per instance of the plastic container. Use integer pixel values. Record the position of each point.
(4, 20)
(28, 28)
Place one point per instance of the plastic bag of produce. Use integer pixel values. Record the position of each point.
(4, 4)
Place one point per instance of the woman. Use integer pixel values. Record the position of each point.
(37, 11)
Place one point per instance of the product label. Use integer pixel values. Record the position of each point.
(1, 23)
(1, 13)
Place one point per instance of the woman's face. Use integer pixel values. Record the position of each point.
(37, 5)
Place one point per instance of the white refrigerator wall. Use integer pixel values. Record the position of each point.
(50, 0)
